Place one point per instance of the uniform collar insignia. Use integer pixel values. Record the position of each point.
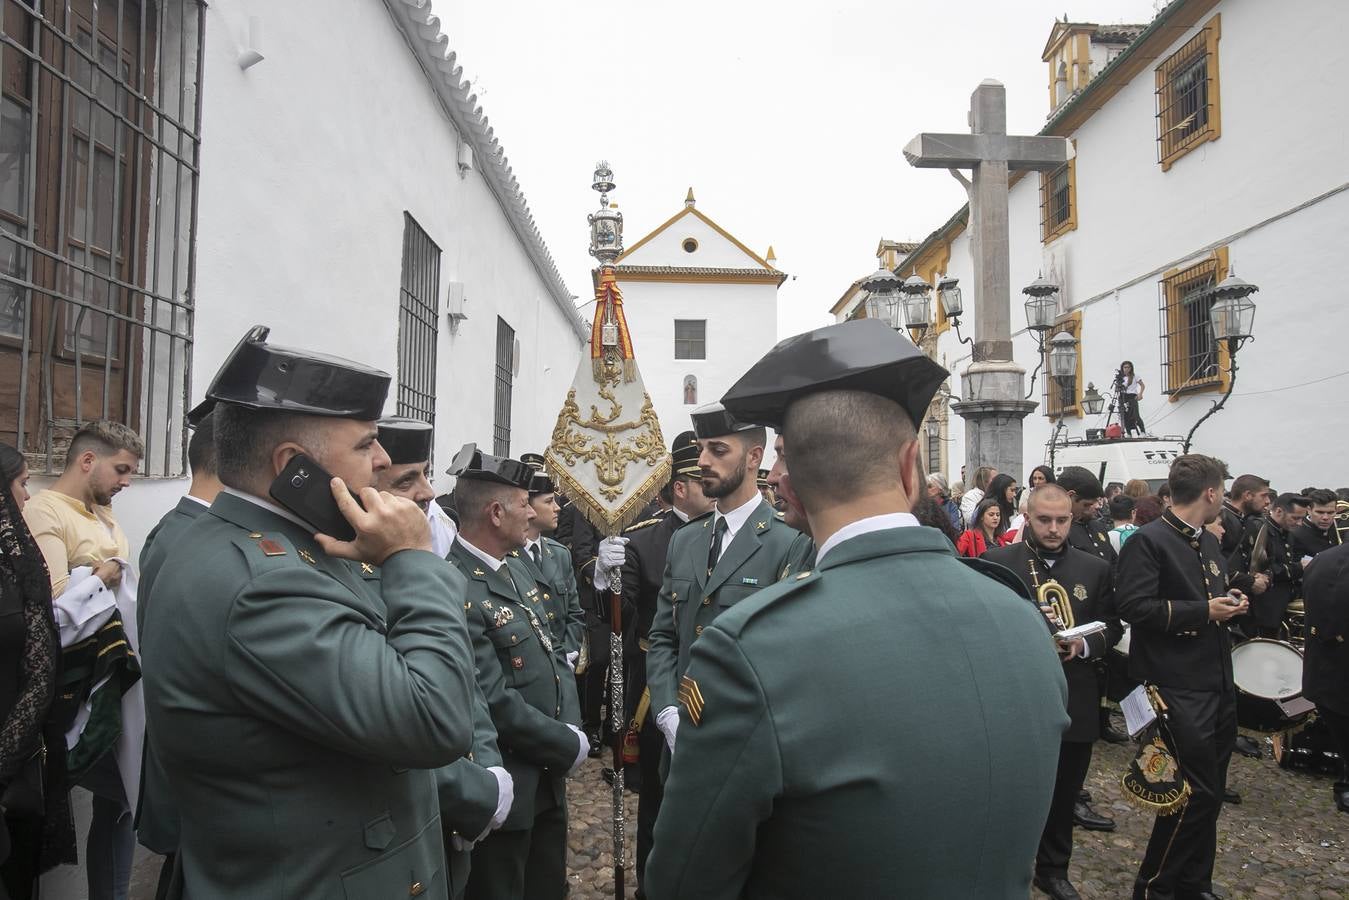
(761, 525)
(367, 569)
(479, 572)
(306, 556)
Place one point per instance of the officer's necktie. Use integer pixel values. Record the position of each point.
(534, 552)
(714, 553)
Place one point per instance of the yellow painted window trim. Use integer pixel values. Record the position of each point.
(1176, 351)
(1212, 31)
(1048, 234)
(1071, 323)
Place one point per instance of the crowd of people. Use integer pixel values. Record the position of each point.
(320, 679)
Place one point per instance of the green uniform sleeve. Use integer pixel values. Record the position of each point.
(468, 792)
(662, 656)
(521, 729)
(300, 653)
(576, 623)
(725, 775)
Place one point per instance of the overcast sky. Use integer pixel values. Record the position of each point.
(786, 118)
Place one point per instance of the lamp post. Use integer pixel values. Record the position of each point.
(1092, 401)
(882, 287)
(1042, 307)
(1232, 321)
(916, 300)
(948, 292)
(901, 305)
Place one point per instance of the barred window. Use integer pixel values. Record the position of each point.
(1191, 359)
(934, 446)
(418, 323)
(1058, 201)
(501, 421)
(1187, 96)
(100, 118)
(690, 338)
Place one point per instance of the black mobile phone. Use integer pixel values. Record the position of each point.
(303, 488)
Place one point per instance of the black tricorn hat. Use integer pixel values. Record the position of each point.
(473, 464)
(684, 456)
(532, 459)
(259, 375)
(713, 420)
(541, 484)
(860, 355)
(406, 440)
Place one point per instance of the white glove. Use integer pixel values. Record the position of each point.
(667, 720)
(609, 555)
(505, 798)
(572, 657)
(585, 749)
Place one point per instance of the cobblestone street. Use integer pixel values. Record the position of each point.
(1285, 840)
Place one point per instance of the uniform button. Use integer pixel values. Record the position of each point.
(514, 638)
(698, 630)
(416, 889)
(545, 596)
(707, 601)
(674, 595)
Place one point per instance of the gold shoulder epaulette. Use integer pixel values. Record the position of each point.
(647, 523)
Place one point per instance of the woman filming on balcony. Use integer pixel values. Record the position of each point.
(1129, 387)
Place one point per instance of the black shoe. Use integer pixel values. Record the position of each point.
(1084, 796)
(1111, 735)
(1057, 887)
(596, 746)
(1342, 796)
(1086, 817)
(1248, 747)
(1232, 797)
(607, 774)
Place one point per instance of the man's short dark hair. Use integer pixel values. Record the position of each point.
(842, 444)
(472, 496)
(753, 437)
(245, 439)
(105, 438)
(1050, 490)
(1194, 473)
(1321, 497)
(1287, 502)
(1121, 506)
(1081, 482)
(201, 455)
(1164, 491)
(1247, 483)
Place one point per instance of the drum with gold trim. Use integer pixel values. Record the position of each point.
(1268, 677)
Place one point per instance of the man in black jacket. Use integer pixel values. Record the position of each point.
(1247, 499)
(1045, 557)
(1318, 533)
(1266, 567)
(1087, 533)
(1325, 677)
(1172, 589)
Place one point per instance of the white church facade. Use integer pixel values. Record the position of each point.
(701, 307)
(1200, 152)
(336, 181)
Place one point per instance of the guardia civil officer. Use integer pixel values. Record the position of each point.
(551, 565)
(646, 545)
(798, 773)
(156, 818)
(1041, 559)
(1325, 679)
(1172, 589)
(475, 792)
(521, 673)
(293, 777)
(717, 561)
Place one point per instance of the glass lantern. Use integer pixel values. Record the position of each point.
(1042, 305)
(948, 292)
(1232, 316)
(1092, 401)
(917, 302)
(882, 301)
(1063, 355)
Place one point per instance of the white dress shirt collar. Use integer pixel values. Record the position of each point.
(736, 518)
(865, 526)
(487, 558)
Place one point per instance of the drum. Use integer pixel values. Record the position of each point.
(1268, 676)
(1311, 748)
(1118, 683)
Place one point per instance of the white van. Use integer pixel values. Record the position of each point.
(1122, 459)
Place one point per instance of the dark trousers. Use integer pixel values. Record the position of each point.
(19, 868)
(1128, 413)
(593, 684)
(1056, 842)
(651, 792)
(530, 864)
(1179, 858)
(1337, 724)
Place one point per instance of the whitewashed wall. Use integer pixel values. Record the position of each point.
(1285, 136)
(309, 160)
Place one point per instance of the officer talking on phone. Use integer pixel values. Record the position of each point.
(297, 713)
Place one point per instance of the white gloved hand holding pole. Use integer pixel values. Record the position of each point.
(609, 555)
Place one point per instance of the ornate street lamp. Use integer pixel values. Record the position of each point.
(882, 302)
(1232, 321)
(1063, 355)
(1042, 307)
(916, 298)
(948, 292)
(1092, 401)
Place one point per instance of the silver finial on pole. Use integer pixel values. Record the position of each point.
(606, 225)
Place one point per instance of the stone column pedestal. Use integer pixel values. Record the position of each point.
(993, 408)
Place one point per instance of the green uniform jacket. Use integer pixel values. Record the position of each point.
(467, 791)
(887, 725)
(522, 679)
(689, 599)
(297, 720)
(156, 817)
(561, 600)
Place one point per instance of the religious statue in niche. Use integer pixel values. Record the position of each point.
(690, 390)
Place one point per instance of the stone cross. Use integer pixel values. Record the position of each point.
(992, 403)
(991, 152)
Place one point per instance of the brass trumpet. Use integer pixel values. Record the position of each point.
(1054, 603)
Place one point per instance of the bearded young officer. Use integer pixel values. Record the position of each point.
(522, 675)
(642, 551)
(1044, 556)
(739, 548)
(292, 778)
(791, 777)
(475, 792)
(1172, 590)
